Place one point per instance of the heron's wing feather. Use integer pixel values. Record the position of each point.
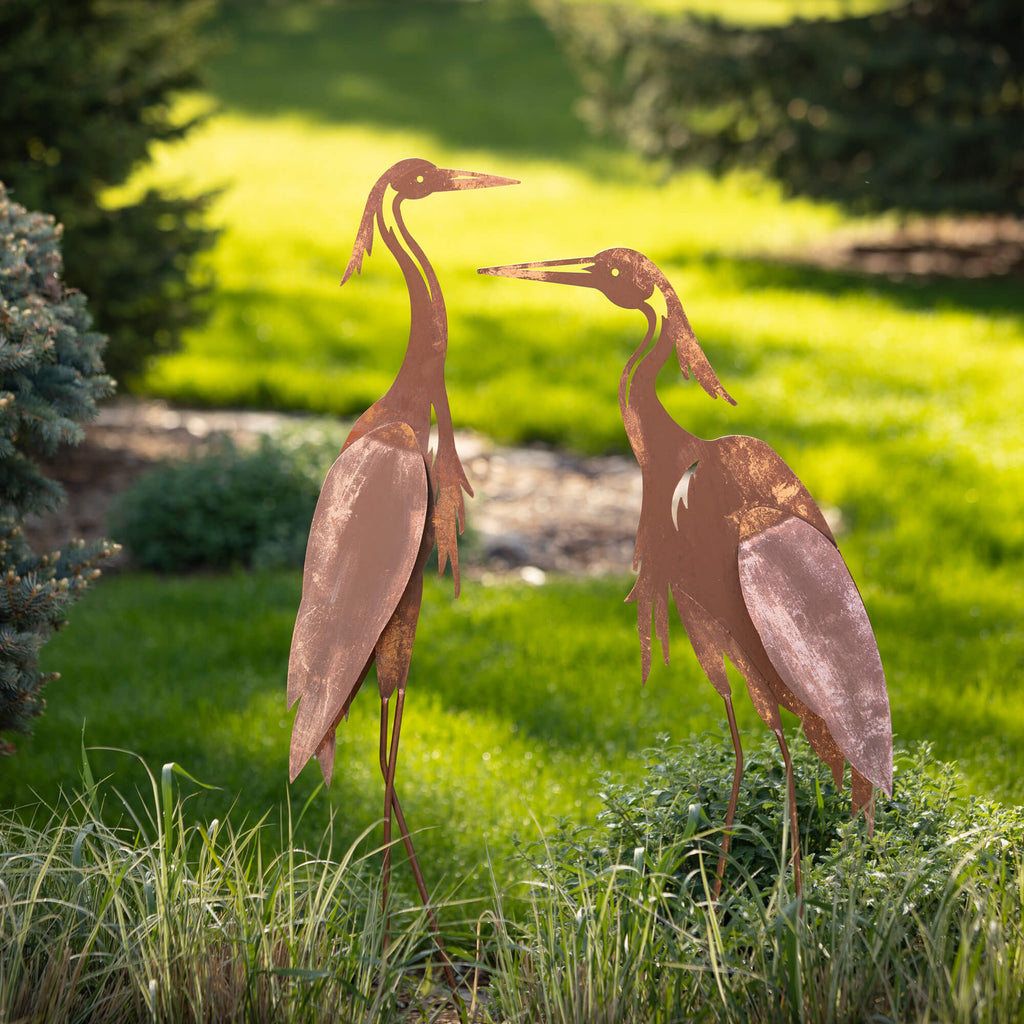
(362, 548)
(813, 624)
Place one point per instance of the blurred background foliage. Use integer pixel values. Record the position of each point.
(51, 378)
(88, 87)
(918, 107)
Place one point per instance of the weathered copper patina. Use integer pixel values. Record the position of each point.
(384, 502)
(728, 531)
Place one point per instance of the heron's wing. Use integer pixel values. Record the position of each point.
(362, 548)
(813, 624)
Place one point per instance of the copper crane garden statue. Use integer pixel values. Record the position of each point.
(729, 531)
(384, 502)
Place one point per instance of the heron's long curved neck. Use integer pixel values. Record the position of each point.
(428, 324)
(645, 417)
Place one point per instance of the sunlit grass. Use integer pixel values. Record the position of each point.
(506, 726)
(756, 12)
(316, 106)
(283, 333)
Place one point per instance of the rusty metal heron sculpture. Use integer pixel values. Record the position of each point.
(384, 502)
(729, 531)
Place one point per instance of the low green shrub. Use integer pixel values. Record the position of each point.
(227, 507)
(235, 507)
(674, 818)
(922, 921)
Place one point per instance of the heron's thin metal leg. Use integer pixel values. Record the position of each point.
(794, 827)
(387, 769)
(733, 799)
(388, 764)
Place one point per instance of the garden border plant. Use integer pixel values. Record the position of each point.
(161, 917)
(227, 506)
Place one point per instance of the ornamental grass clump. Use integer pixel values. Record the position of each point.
(51, 376)
(162, 917)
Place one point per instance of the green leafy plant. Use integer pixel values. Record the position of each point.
(680, 805)
(226, 507)
(922, 921)
(51, 375)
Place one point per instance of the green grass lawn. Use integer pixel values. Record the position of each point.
(897, 403)
(519, 699)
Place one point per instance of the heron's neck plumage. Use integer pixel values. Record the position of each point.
(429, 318)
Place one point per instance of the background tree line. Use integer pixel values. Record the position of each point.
(87, 87)
(919, 107)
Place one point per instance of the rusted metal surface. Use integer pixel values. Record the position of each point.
(384, 502)
(728, 530)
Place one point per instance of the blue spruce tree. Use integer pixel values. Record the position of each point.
(51, 376)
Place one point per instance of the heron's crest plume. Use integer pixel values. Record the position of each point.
(364, 236)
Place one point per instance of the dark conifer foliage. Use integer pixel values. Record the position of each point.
(51, 375)
(87, 89)
(918, 108)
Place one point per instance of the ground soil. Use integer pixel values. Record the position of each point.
(537, 510)
(933, 247)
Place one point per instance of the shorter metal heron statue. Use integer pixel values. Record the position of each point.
(729, 531)
(384, 502)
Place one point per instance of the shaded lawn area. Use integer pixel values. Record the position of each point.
(896, 403)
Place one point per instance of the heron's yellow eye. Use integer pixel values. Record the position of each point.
(420, 179)
(615, 271)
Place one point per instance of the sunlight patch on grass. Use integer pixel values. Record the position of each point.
(295, 197)
(758, 12)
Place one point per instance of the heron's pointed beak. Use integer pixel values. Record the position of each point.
(576, 271)
(456, 181)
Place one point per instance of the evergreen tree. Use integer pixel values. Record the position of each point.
(51, 375)
(87, 89)
(919, 107)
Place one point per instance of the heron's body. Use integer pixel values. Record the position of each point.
(698, 522)
(384, 583)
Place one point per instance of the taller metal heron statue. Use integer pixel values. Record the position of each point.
(729, 531)
(384, 502)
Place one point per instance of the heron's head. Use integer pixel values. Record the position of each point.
(416, 178)
(627, 277)
(630, 280)
(412, 179)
